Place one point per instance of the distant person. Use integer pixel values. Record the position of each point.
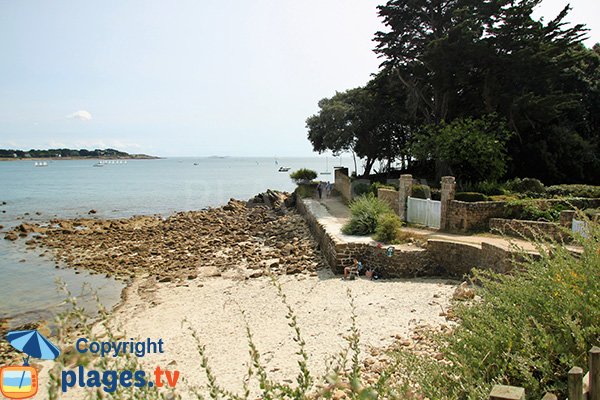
(320, 189)
(354, 269)
(328, 188)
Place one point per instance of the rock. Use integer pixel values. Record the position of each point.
(463, 292)
(11, 236)
(92, 211)
(287, 249)
(210, 271)
(270, 263)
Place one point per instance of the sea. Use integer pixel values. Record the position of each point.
(118, 188)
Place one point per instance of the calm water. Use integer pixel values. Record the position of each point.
(72, 188)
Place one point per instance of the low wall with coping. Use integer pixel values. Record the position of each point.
(392, 197)
(466, 216)
(530, 229)
(438, 258)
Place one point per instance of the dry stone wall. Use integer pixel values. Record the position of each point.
(530, 229)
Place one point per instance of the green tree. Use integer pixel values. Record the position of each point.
(368, 121)
(461, 58)
(473, 149)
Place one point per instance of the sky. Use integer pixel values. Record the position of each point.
(187, 77)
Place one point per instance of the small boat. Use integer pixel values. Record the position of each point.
(99, 164)
(284, 169)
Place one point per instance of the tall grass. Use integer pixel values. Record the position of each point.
(528, 329)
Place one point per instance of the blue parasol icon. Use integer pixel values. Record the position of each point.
(34, 344)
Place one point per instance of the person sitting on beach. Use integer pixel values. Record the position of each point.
(354, 269)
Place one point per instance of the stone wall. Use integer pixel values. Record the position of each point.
(530, 229)
(391, 197)
(463, 216)
(457, 259)
(438, 258)
(343, 184)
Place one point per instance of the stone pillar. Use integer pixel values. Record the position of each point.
(447, 195)
(405, 190)
(566, 218)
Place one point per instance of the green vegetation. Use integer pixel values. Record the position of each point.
(361, 188)
(50, 153)
(365, 213)
(420, 191)
(588, 191)
(303, 175)
(388, 228)
(471, 149)
(462, 86)
(306, 190)
(470, 197)
(531, 210)
(529, 186)
(529, 328)
(377, 185)
(487, 187)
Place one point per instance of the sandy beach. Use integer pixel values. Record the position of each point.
(386, 312)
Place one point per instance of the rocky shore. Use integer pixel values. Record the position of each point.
(239, 240)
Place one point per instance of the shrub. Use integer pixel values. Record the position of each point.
(361, 188)
(588, 191)
(526, 185)
(388, 227)
(528, 328)
(470, 197)
(306, 190)
(303, 175)
(489, 188)
(531, 210)
(420, 191)
(378, 185)
(365, 211)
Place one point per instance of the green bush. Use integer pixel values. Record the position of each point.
(303, 175)
(378, 185)
(489, 188)
(420, 191)
(365, 212)
(526, 185)
(528, 328)
(588, 191)
(361, 188)
(388, 227)
(532, 210)
(470, 197)
(306, 190)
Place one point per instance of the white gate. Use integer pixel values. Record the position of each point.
(580, 227)
(424, 212)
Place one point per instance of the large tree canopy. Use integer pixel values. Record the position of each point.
(467, 58)
(369, 121)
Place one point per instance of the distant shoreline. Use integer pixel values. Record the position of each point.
(129, 157)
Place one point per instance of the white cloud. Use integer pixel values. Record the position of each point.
(81, 115)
